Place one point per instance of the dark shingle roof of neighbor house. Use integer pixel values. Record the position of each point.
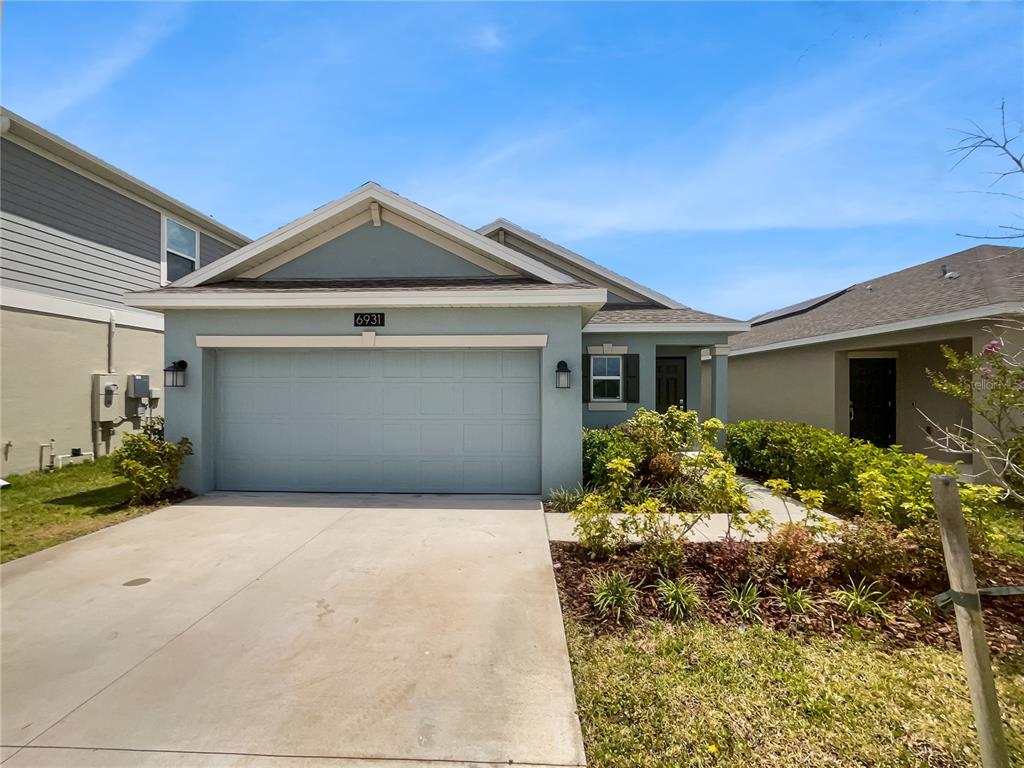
(617, 313)
(978, 277)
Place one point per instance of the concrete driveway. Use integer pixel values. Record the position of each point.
(292, 629)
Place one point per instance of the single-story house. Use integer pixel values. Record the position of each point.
(856, 360)
(377, 346)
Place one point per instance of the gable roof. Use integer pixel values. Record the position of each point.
(17, 127)
(581, 263)
(972, 284)
(370, 202)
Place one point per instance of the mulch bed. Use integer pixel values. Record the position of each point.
(1004, 616)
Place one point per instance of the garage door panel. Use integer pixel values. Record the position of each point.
(400, 399)
(481, 399)
(519, 400)
(355, 398)
(519, 365)
(359, 437)
(519, 473)
(481, 365)
(441, 437)
(438, 365)
(479, 439)
(355, 364)
(519, 439)
(379, 420)
(437, 399)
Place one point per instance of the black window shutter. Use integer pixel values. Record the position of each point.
(586, 378)
(631, 364)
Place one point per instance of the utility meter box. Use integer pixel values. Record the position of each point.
(138, 385)
(106, 397)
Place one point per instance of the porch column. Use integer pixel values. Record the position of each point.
(720, 382)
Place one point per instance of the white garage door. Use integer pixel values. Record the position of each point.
(431, 421)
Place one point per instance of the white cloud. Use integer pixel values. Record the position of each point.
(79, 84)
(486, 37)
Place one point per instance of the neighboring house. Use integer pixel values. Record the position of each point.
(855, 361)
(375, 345)
(75, 235)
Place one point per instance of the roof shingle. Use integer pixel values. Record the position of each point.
(985, 275)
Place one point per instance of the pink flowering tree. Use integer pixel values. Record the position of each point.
(992, 382)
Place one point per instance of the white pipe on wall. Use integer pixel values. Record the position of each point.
(111, 328)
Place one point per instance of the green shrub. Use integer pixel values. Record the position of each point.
(861, 598)
(565, 500)
(661, 533)
(615, 597)
(796, 601)
(151, 466)
(854, 476)
(678, 597)
(867, 548)
(595, 529)
(744, 601)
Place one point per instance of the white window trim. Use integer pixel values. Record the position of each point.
(164, 248)
(594, 398)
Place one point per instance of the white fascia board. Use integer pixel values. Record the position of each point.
(158, 300)
(48, 304)
(580, 261)
(372, 340)
(387, 199)
(964, 315)
(711, 327)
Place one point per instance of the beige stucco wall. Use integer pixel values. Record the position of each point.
(811, 383)
(46, 367)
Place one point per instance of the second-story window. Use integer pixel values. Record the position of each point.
(181, 250)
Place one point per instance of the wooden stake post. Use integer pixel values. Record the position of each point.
(969, 622)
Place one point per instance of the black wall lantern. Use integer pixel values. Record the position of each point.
(562, 380)
(174, 374)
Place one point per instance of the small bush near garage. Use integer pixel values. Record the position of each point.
(150, 463)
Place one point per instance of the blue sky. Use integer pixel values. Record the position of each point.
(736, 156)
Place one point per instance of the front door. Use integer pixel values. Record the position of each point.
(873, 400)
(671, 382)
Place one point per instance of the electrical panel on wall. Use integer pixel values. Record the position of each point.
(107, 401)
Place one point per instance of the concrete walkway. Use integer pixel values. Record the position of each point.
(268, 630)
(561, 526)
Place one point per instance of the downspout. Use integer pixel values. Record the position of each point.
(97, 428)
(111, 328)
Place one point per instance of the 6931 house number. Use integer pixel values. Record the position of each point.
(369, 319)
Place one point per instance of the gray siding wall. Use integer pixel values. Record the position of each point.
(43, 259)
(369, 252)
(211, 249)
(40, 190)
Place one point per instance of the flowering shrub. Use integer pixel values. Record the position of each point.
(992, 382)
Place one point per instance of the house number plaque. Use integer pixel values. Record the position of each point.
(369, 319)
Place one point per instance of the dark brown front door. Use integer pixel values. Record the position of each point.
(671, 382)
(873, 400)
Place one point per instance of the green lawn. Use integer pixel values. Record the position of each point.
(698, 694)
(1011, 540)
(40, 509)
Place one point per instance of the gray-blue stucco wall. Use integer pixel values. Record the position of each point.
(650, 346)
(190, 410)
